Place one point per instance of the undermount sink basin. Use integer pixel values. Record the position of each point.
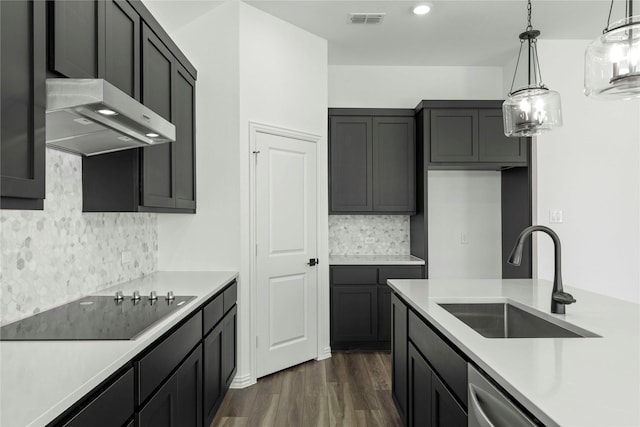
(505, 320)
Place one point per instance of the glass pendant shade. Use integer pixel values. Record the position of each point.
(531, 111)
(612, 62)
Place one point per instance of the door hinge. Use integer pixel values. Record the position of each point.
(256, 249)
(256, 342)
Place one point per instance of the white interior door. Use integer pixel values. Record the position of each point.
(286, 235)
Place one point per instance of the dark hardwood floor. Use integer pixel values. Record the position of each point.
(348, 389)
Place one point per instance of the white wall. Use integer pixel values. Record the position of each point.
(210, 240)
(590, 168)
(251, 67)
(464, 202)
(458, 200)
(404, 87)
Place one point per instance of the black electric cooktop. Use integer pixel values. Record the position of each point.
(93, 318)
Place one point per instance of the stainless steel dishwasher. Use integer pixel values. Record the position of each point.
(488, 407)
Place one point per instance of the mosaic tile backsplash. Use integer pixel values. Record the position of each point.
(57, 255)
(369, 235)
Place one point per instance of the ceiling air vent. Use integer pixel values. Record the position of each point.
(366, 18)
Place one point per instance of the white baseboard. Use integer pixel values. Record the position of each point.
(324, 354)
(242, 381)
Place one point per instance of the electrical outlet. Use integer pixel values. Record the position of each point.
(126, 257)
(370, 240)
(555, 216)
(464, 238)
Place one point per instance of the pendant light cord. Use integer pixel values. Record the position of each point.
(529, 26)
(608, 18)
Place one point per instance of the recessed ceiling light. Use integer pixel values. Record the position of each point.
(422, 9)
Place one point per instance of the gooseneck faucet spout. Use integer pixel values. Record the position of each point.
(559, 298)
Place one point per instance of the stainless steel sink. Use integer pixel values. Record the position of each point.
(505, 320)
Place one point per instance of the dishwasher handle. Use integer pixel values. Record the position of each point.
(488, 410)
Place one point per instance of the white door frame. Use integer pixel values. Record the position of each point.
(254, 129)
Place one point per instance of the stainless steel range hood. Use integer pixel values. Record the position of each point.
(91, 116)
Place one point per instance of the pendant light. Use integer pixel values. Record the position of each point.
(612, 61)
(534, 108)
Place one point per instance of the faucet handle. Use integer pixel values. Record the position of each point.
(563, 298)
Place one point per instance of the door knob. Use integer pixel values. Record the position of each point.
(313, 261)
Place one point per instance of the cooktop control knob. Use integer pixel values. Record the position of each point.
(170, 296)
(153, 296)
(136, 296)
(119, 297)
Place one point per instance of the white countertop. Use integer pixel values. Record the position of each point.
(563, 381)
(375, 260)
(39, 380)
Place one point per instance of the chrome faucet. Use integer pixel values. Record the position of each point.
(559, 298)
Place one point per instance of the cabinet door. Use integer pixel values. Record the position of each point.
(384, 313)
(454, 135)
(494, 145)
(399, 338)
(445, 410)
(112, 407)
(350, 164)
(157, 93)
(229, 347)
(162, 408)
(77, 38)
(213, 391)
(354, 313)
(189, 390)
(122, 47)
(420, 390)
(185, 145)
(394, 162)
(22, 109)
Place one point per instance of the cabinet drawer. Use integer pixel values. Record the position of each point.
(114, 406)
(156, 365)
(213, 312)
(348, 275)
(230, 296)
(449, 365)
(399, 272)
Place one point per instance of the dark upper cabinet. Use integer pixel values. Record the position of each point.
(122, 47)
(158, 72)
(495, 146)
(454, 135)
(351, 164)
(76, 38)
(394, 151)
(371, 161)
(22, 109)
(185, 145)
(468, 135)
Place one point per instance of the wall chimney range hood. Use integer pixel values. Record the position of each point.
(91, 117)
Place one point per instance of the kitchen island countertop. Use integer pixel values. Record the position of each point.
(586, 382)
(41, 379)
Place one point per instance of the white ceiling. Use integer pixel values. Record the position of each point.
(456, 32)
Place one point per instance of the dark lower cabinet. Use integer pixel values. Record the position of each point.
(420, 386)
(189, 390)
(399, 340)
(229, 347)
(22, 109)
(361, 317)
(162, 409)
(429, 377)
(213, 385)
(112, 407)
